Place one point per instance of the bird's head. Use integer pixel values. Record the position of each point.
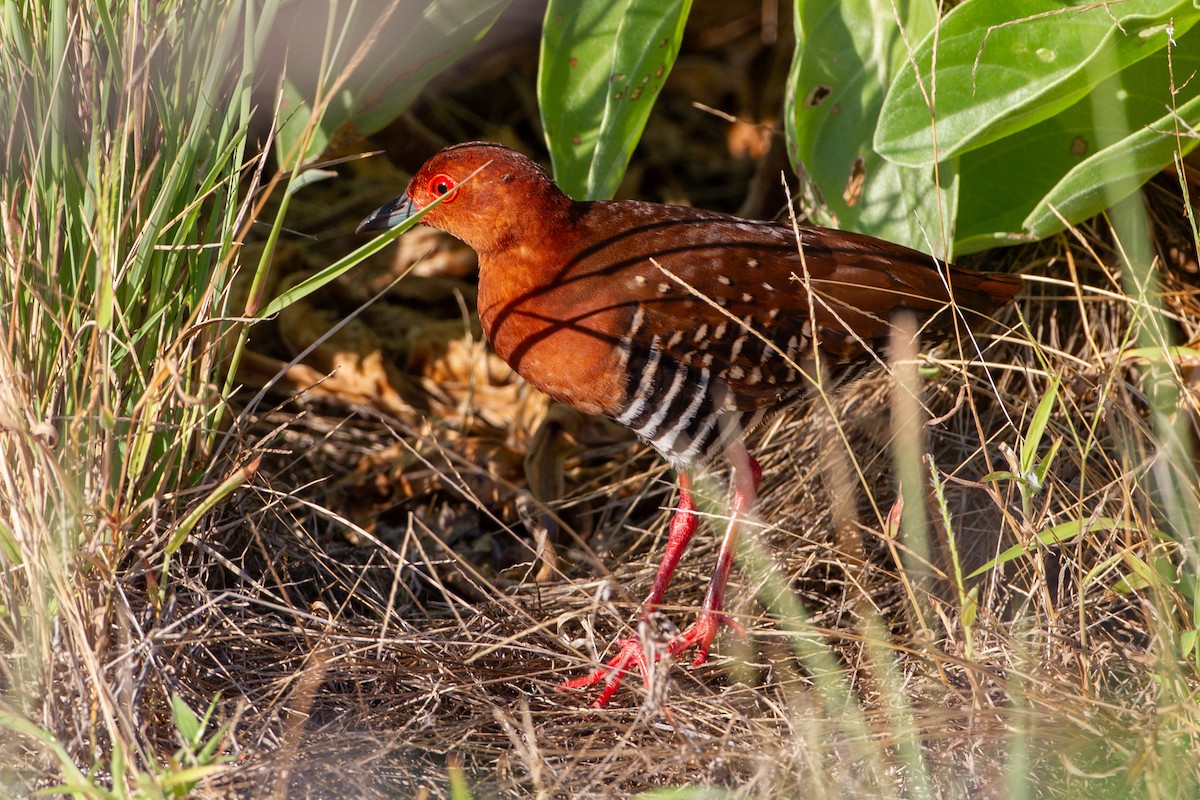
(490, 194)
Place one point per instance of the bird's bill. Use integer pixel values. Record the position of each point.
(389, 215)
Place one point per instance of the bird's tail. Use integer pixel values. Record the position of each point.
(983, 291)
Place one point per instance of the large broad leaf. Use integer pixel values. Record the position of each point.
(846, 54)
(1084, 159)
(1003, 67)
(395, 48)
(603, 64)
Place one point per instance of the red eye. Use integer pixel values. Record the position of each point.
(442, 184)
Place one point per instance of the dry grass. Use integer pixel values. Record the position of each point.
(376, 602)
(364, 665)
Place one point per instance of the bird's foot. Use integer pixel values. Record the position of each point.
(700, 634)
(632, 653)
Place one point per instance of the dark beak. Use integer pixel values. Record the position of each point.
(389, 215)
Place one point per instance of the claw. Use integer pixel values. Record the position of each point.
(632, 653)
(701, 633)
(612, 672)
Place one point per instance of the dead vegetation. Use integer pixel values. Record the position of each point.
(412, 579)
(395, 609)
(428, 547)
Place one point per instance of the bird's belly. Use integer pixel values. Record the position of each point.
(688, 412)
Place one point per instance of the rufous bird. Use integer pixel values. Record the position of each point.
(687, 326)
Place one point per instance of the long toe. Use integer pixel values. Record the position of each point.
(700, 635)
(630, 654)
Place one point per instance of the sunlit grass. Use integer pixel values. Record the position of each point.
(131, 184)
(125, 199)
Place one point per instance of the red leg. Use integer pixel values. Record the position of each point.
(683, 525)
(746, 476)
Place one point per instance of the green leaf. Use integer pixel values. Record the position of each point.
(1037, 427)
(460, 787)
(181, 781)
(236, 478)
(346, 263)
(603, 63)
(970, 609)
(408, 47)
(1043, 467)
(70, 773)
(1005, 67)
(307, 178)
(1159, 572)
(1115, 172)
(1062, 533)
(119, 765)
(689, 793)
(1059, 533)
(1130, 584)
(295, 114)
(846, 55)
(1083, 159)
(186, 721)
(1160, 355)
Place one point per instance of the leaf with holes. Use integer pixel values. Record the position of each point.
(1077, 163)
(846, 53)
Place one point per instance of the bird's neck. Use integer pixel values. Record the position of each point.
(528, 255)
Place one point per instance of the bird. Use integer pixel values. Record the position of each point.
(687, 326)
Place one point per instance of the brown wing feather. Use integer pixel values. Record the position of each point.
(751, 324)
